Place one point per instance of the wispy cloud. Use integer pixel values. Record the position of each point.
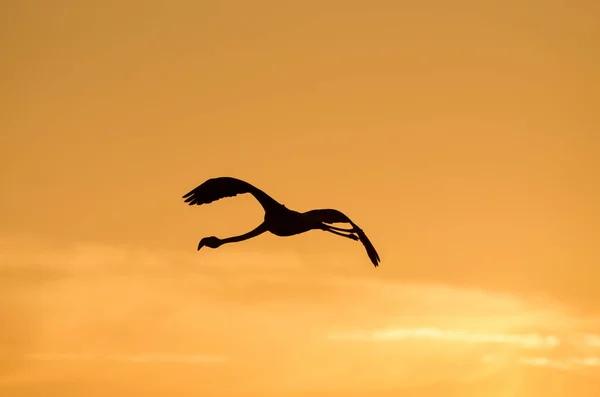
(500, 331)
(566, 364)
(402, 334)
(136, 358)
(97, 259)
(559, 349)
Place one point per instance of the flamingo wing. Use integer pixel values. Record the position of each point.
(217, 188)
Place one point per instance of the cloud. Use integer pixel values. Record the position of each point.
(137, 358)
(429, 331)
(567, 364)
(271, 317)
(456, 336)
(33, 261)
(18, 323)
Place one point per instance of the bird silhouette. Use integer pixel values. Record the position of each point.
(278, 219)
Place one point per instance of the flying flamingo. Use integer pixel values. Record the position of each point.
(278, 220)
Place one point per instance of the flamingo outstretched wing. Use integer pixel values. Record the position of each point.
(217, 188)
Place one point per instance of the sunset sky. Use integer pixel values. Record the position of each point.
(462, 136)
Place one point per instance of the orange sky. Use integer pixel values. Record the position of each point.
(463, 137)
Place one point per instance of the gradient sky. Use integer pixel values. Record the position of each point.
(463, 137)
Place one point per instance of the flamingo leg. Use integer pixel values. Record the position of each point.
(340, 229)
(351, 235)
